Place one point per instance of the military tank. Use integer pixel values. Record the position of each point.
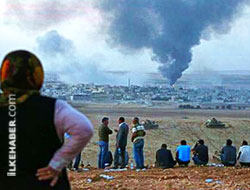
(148, 124)
(214, 123)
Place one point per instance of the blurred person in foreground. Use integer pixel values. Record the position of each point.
(228, 154)
(183, 153)
(104, 131)
(244, 154)
(164, 158)
(33, 155)
(121, 143)
(138, 133)
(200, 153)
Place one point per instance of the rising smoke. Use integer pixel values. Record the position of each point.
(59, 55)
(170, 28)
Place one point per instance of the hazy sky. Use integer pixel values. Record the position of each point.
(82, 46)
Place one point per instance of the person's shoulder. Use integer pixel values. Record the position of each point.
(179, 147)
(61, 104)
(168, 150)
(242, 148)
(124, 125)
(140, 127)
(159, 150)
(43, 98)
(247, 147)
(202, 146)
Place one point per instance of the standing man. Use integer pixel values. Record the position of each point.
(121, 143)
(77, 161)
(137, 138)
(103, 132)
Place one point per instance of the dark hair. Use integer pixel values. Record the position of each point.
(244, 142)
(136, 119)
(201, 141)
(229, 142)
(105, 119)
(163, 146)
(121, 119)
(183, 142)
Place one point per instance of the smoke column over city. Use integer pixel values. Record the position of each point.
(170, 28)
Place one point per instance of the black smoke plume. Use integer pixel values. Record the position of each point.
(170, 28)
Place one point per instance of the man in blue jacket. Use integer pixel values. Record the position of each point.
(183, 154)
(121, 142)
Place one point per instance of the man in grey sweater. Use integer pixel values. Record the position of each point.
(121, 142)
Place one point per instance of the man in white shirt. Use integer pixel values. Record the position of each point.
(244, 154)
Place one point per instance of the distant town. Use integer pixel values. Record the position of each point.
(214, 97)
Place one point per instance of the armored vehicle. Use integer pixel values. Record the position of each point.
(214, 123)
(148, 124)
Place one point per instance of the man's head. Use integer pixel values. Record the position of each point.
(229, 142)
(244, 142)
(105, 121)
(164, 146)
(201, 142)
(121, 120)
(183, 142)
(136, 120)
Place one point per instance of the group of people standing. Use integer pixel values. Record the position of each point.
(137, 138)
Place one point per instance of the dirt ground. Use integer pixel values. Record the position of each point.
(190, 178)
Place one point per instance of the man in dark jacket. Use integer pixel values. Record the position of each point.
(200, 153)
(121, 142)
(228, 154)
(103, 132)
(164, 158)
